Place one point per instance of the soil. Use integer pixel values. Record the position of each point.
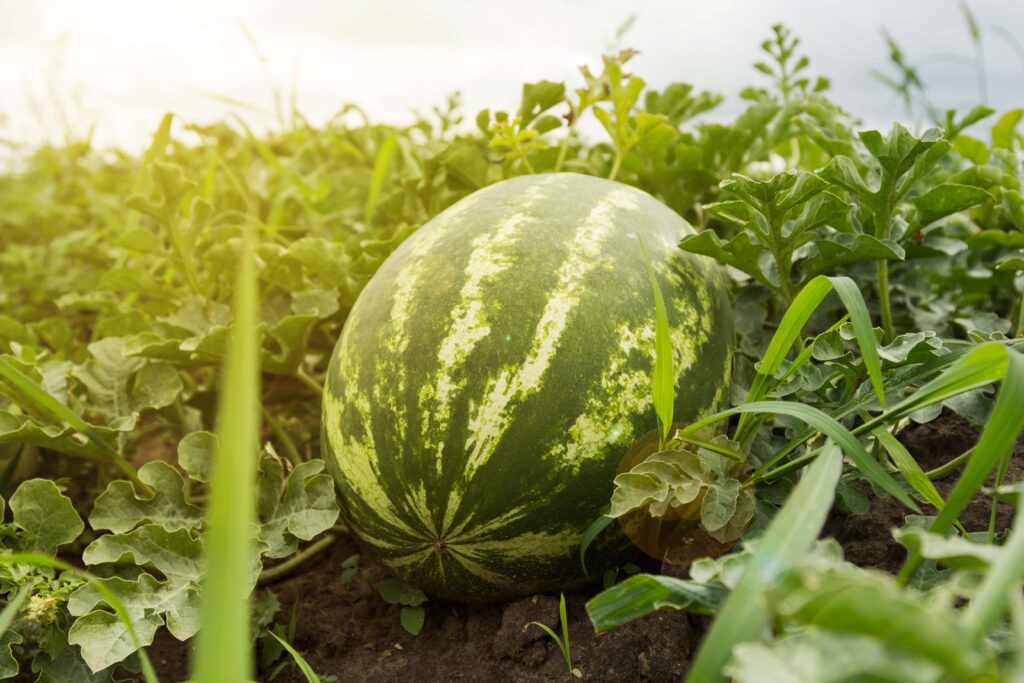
(346, 630)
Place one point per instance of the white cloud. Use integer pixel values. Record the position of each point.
(132, 61)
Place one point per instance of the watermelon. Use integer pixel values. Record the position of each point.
(496, 370)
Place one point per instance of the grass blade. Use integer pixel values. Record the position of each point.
(592, 532)
(799, 312)
(13, 607)
(380, 173)
(980, 366)
(642, 594)
(223, 648)
(565, 630)
(862, 330)
(909, 468)
(829, 426)
(789, 536)
(1001, 580)
(300, 661)
(663, 381)
(997, 439)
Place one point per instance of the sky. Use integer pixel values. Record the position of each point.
(116, 67)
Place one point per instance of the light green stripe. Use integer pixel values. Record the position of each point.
(493, 416)
(538, 546)
(359, 461)
(469, 324)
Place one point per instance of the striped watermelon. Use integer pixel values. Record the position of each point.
(497, 368)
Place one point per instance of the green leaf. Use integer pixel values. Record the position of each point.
(104, 641)
(842, 249)
(538, 98)
(28, 394)
(105, 377)
(952, 551)
(741, 252)
(946, 199)
(195, 454)
(20, 429)
(661, 481)
(175, 554)
(121, 508)
(854, 601)
(305, 507)
(398, 592)
(789, 536)
(412, 619)
(643, 594)
(8, 663)
(45, 516)
(909, 468)
(41, 560)
(823, 656)
(156, 385)
(843, 172)
(796, 316)
(1006, 128)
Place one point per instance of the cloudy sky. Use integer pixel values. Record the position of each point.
(120, 65)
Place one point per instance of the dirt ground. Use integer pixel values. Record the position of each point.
(346, 630)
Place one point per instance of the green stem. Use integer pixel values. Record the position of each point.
(711, 446)
(884, 230)
(1020, 317)
(563, 151)
(1004, 465)
(615, 166)
(279, 570)
(943, 470)
(883, 295)
(286, 441)
(304, 377)
(186, 264)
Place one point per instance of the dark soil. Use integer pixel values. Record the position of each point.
(348, 631)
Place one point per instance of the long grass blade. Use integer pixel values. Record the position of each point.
(663, 381)
(1001, 580)
(380, 173)
(300, 661)
(997, 439)
(13, 607)
(799, 312)
(223, 648)
(829, 426)
(789, 536)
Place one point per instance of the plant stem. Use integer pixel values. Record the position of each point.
(563, 151)
(1020, 317)
(884, 230)
(179, 250)
(943, 470)
(304, 377)
(286, 441)
(615, 166)
(883, 295)
(279, 570)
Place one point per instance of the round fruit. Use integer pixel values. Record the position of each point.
(497, 368)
